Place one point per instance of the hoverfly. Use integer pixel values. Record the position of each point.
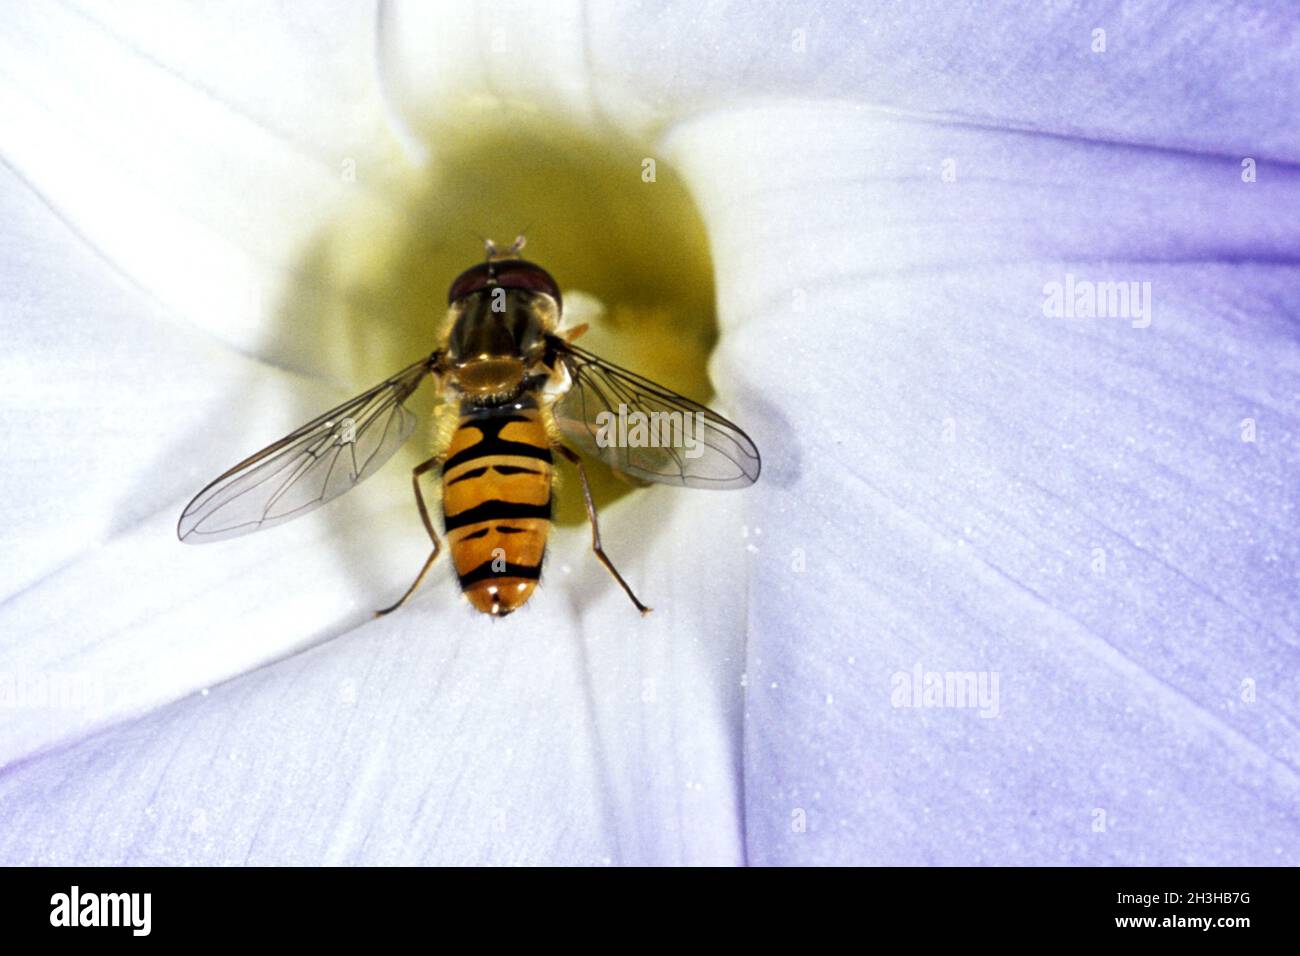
(522, 392)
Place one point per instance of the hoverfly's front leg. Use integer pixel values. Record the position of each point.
(418, 471)
(595, 526)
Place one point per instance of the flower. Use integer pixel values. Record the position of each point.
(1084, 522)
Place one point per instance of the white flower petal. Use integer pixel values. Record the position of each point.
(438, 737)
(876, 311)
(1192, 76)
(143, 209)
(200, 191)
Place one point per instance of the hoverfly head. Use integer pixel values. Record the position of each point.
(504, 270)
(502, 309)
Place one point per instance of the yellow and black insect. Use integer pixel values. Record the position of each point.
(520, 392)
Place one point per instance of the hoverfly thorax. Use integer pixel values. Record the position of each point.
(500, 313)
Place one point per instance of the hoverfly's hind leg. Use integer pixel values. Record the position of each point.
(595, 526)
(416, 473)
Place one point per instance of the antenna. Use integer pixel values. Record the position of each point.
(521, 239)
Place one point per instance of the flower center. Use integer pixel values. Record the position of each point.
(607, 216)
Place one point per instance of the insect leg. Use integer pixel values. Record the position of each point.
(595, 526)
(419, 470)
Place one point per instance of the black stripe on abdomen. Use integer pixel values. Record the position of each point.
(470, 474)
(489, 426)
(495, 510)
(496, 446)
(485, 572)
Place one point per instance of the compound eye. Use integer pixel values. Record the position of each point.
(468, 282)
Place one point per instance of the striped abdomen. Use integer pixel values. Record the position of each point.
(496, 503)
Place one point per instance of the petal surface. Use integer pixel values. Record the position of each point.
(1084, 510)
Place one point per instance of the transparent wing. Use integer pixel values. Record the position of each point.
(306, 468)
(645, 431)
